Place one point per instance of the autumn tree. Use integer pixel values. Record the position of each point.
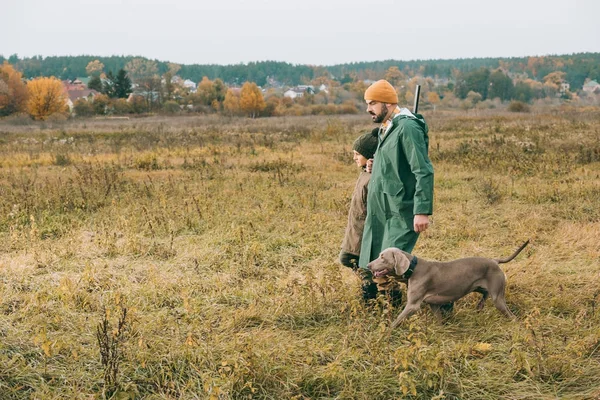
(534, 64)
(210, 93)
(555, 78)
(394, 76)
(145, 74)
(205, 92)
(13, 92)
(94, 69)
(169, 87)
(231, 104)
(47, 96)
(140, 69)
(252, 101)
(433, 98)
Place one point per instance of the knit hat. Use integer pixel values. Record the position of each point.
(382, 91)
(366, 144)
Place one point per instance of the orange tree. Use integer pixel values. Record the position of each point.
(13, 92)
(252, 101)
(47, 96)
(231, 104)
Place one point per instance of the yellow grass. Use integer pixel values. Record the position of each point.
(219, 237)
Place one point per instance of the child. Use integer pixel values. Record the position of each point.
(363, 149)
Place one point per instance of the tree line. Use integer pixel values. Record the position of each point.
(576, 67)
(161, 88)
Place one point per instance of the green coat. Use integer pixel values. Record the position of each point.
(401, 186)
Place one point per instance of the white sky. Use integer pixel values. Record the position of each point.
(319, 32)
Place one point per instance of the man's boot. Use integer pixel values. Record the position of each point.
(349, 260)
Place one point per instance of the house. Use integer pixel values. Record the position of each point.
(299, 91)
(191, 85)
(592, 87)
(272, 82)
(323, 88)
(74, 85)
(83, 79)
(76, 94)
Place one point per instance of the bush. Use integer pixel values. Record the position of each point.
(62, 160)
(100, 104)
(171, 107)
(121, 106)
(19, 119)
(518, 106)
(139, 105)
(83, 108)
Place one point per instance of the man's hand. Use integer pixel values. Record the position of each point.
(421, 223)
(369, 166)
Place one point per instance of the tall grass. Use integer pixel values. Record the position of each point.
(219, 238)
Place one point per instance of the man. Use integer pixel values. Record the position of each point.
(400, 196)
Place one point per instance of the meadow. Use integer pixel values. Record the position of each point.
(196, 258)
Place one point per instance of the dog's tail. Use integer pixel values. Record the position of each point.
(516, 253)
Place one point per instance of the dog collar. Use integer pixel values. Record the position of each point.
(411, 268)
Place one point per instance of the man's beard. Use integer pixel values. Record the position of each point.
(378, 118)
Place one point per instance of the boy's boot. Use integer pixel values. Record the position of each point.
(369, 288)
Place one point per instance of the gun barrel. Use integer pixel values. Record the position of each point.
(417, 95)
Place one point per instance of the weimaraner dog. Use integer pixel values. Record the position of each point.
(438, 283)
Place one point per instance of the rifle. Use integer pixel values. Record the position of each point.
(417, 93)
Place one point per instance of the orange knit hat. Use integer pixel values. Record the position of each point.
(382, 91)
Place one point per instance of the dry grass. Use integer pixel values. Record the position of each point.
(219, 238)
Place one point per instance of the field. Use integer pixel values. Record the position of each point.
(196, 258)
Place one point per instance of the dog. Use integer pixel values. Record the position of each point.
(439, 283)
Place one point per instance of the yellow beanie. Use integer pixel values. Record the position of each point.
(381, 91)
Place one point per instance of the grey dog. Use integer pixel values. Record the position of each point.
(438, 283)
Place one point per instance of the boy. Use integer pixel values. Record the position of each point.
(363, 149)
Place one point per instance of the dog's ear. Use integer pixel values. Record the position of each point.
(401, 262)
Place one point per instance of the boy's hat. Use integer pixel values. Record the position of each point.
(366, 144)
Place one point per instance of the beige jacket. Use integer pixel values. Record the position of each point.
(356, 215)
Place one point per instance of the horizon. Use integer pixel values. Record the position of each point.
(6, 57)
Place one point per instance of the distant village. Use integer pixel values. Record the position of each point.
(139, 88)
(78, 89)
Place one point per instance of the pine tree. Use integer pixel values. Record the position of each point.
(95, 83)
(108, 86)
(122, 85)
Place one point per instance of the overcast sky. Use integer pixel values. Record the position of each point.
(318, 32)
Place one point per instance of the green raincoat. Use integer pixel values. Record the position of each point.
(401, 186)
